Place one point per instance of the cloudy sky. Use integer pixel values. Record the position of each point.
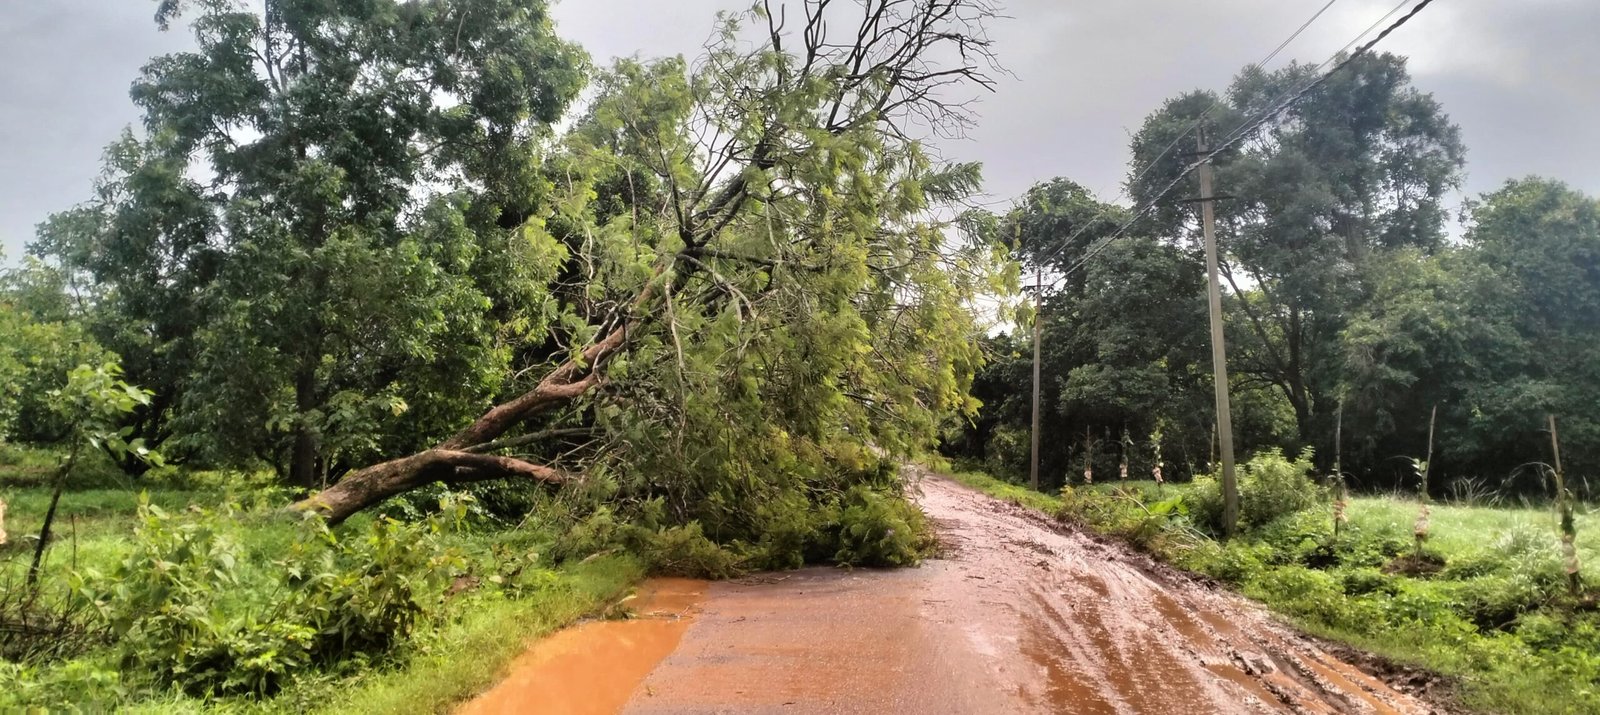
(1522, 79)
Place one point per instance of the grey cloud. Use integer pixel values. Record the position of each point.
(1522, 79)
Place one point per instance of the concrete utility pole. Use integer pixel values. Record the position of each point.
(1219, 350)
(1038, 314)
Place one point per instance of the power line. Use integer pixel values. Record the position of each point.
(1215, 102)
(1352, 43)
(1245, 130)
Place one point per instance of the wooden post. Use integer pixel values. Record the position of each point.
(1420, 530)
(1341, 493)
(1219, 350)
(1038, 314)
(1569, 528)
(1427, 466)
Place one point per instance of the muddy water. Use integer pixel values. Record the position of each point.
(1020, 615)
(592, 668)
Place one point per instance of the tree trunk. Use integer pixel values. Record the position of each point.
(50, 516)
(369, 486)
(303, 462)
(452, 462)
(1299, 395)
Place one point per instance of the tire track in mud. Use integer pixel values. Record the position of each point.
(1110, 634)
(1020, 614)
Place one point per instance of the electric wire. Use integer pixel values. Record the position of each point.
(1215, 102)
(1247, 129)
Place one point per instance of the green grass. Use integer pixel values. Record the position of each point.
(1014, 493)
(461, 656)
(1463, 530)
(458, 651)
(1497, 619)
(469, 654)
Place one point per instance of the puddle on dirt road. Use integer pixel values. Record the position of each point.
(592, 668)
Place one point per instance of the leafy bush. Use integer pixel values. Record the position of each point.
(1307, 593)
(685, 551)
(1008, 451)
(878, 529)
(1233, 563)
(1369, 581)
(1270, 487)
(188, 607)
(600, 531)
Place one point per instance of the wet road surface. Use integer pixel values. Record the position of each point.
(1019, 615)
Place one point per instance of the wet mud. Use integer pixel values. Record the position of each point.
(1019, 615)
(592, 668)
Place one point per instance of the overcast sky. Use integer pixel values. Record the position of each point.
(1521, 78)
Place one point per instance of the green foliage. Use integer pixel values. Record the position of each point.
(348, 260)
(685, 551)
(75, 686)
(1271, 486)
(37, 351)
(187, 606)
(876, 529)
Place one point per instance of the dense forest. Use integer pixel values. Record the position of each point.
(1348, 289)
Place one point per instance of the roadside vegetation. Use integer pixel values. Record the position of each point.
(400, 332)
(1488, 606)
(189, 591)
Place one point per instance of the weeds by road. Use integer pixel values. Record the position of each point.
(1489, 609)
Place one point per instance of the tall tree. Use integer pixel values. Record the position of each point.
(1539, 240)
(766, 280)
(1356, 167)
(321, 222)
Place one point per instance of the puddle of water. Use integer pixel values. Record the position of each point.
(593, 668)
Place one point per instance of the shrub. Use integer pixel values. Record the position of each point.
(1231, 563)
(878, 529)
(187, 610)
(685, 551)
(600, 531)
(792, 532)
(1270, 487)
(1310, 594)
(1008, 451)
(1369, 581)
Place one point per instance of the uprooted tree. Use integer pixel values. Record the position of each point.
(751, 262)
(751, 273)
(724, 276)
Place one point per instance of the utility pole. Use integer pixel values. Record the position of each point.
(1219, 350)
(1038, 313)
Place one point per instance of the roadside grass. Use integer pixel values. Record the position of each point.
(1014, 493)
(468, 653)
(1459, 531)
(509, 593)
(1495, 617)
(461, 655)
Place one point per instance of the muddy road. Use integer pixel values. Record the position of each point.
(1018, 616)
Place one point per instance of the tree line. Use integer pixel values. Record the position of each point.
(380, 245)
(1348, 299)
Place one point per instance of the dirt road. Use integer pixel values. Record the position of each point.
(1018, 616)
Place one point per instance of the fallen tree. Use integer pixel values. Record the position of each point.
(756, 236)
